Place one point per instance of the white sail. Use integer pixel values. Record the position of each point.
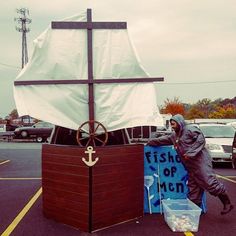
(62, 55)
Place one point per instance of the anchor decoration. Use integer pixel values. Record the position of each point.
(90, 161)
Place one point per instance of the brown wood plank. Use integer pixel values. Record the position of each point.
(117, 209)
(62, 203)
(64, 168)
(116, 164)
(66, 159)
(123, 200)
(79, 223)
(65, 177)
(112, 182)
(117, 167)
(70, 196)
(66, 186)
(129, 175)
(120, 149)
(116, 158)
(118, 184)
(61, 149)
(135, 192)
(125, 149)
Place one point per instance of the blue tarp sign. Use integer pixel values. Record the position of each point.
(164, 177)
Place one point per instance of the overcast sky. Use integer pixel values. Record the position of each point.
(192, 44)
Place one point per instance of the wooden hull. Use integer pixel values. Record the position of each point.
(92, 198)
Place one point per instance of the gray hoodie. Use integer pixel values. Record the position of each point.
(189, 141)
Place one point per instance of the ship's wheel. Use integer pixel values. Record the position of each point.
(92, 133)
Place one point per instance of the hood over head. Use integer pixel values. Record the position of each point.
(179, 119)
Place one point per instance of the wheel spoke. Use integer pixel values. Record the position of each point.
(96, 128)
(93, 142)
(87, 132)
(83, 138)
(98, 139)
(88, 142)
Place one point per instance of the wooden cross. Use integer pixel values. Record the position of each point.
(89, 25)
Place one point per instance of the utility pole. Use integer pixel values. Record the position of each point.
(23, 20)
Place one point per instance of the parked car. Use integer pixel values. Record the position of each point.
(232, 124)
(11, 127)
(40, 131)
(234, 152)
(8, 127)
(141, 134)
(219, 139)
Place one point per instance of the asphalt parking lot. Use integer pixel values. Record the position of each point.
(21, 202)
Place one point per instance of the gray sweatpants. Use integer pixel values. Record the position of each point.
(203, 180)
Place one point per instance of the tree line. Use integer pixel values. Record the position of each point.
(205, 108)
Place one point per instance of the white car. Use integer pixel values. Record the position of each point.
(219, 140)
(234, 152)
(232, 124)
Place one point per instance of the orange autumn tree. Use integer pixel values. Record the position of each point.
(194, 112)
(227, 111)
(173, 107)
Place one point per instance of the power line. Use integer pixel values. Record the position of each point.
(15, 67)
(177, 83)
(202, 82)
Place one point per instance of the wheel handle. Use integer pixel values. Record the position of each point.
(93, 128)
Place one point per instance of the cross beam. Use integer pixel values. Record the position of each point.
(88, 25)
(83, 81)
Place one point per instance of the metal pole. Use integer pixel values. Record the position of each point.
(22, 20)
